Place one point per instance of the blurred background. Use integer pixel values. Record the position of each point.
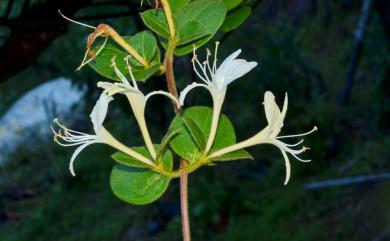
(333, 59)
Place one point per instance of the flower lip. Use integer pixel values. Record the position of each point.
(99, 111)
(230, 69)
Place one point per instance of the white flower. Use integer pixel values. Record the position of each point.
(216, 81)
(67, 137)
(269, 135)
(137, 100)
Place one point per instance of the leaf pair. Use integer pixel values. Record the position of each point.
(195, 23)
(193, 126)
(132, 181)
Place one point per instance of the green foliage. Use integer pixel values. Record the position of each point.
(236, 18)
(230, 4)
(235, 155)
(144, 43)
(195, 132)
(195, 23)
(139, 186)
(186, 144)
(124, 159)
(156, 21)
(176, 4)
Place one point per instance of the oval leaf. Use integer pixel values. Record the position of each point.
(184, 145)
(139, 185)
(176, 4)
(195, 132)
(156, 21)
(144, 43)
(232, 3)
(204, 17)
(235, 155)
(236, 18)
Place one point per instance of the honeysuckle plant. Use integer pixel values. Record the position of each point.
(198, 135)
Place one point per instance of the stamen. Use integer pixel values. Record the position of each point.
(304, 134)
(130, 72)
(83, 63)
(296, 144)
(118, 72)
(68, 131)
(196, 71)
(305, 148)
(208, 53)
(74, 21)
(302, 160)
(215, 57)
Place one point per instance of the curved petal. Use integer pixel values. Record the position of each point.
(160, 92)
(272, 111)
(303, 134)
(274, 117)
(288, 167)
(99, 111)
(187, 89)
(238, 68)
(76, 153)
(227, 62)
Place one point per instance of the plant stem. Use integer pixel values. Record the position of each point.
(184, 203)
(168, 62)
(183, 172)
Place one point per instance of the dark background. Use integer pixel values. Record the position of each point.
(307, 48)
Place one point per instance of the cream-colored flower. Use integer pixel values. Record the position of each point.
(216, 81)
(136, 99)
(67, 137)
(269, 135)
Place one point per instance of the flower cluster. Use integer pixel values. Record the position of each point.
(215, 80)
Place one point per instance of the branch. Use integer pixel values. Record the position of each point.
(356, 52)
(347, 181)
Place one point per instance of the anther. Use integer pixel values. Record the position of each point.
(304, 148)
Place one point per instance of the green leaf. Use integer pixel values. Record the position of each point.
(166, 139)
(144, 43)
(191, 31)
(176, 4)
(156, 21)
(196, 133)
(236, 18)
(127, 160)
(232, 3)
(184, 145)
(138, 185)
(236, 155)
(187, 48)
(198, 20)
